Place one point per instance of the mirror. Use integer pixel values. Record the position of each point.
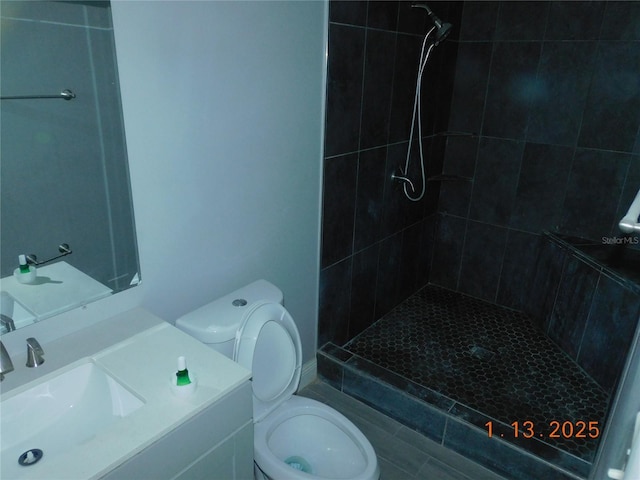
(64, 172)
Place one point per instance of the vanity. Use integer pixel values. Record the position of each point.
(101, 405)
(58, 287)
(119, 373)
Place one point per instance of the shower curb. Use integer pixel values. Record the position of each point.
(443, 420)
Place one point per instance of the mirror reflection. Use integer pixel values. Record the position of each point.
(63, 160)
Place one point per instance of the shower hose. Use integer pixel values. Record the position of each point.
(417, 107)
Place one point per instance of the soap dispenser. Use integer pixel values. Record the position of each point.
(182, 375)
(183, 382)
(25, 273)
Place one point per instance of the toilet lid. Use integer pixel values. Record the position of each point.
(268, 344)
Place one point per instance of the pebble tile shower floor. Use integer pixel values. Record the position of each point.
(489, 358)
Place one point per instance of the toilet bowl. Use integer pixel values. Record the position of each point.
(294, 437)
(314, 426)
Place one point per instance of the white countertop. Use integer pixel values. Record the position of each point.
(143, 363)
(58, 287)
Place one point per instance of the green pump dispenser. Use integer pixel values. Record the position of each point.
(182, 375)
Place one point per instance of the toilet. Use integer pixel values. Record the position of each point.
(294, 437)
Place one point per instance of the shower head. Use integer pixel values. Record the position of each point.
(442, 29)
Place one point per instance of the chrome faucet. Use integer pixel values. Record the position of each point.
(6, 365)
(7, 322)
(34, 353)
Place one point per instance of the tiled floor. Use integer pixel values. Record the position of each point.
(488, 358)
(402, 453)
(452, 367)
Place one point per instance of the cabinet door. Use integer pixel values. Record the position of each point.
(231, 460)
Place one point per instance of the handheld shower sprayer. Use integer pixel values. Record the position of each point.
(442, 28)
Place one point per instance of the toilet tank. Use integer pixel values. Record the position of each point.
(216, 323)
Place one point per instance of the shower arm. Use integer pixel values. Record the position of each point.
(435, 19)
(629, 223)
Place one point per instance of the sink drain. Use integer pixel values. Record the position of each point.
(30, 457)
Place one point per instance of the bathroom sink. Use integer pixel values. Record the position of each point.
(60, 412)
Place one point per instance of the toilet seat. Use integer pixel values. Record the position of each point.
(288, 427)
(268, 344)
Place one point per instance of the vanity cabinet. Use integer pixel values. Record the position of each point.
(217, 443)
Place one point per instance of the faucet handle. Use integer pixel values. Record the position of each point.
(6, 365)
(34, 353)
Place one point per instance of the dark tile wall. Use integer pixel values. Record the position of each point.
(550, 88)
(589, 310)
(553, 91)
(376, 244)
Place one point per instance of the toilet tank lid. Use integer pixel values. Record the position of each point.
(208, 324)
(218, 321)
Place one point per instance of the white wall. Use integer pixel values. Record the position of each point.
(224, 112)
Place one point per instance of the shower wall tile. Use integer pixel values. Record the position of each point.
(378, 82)
(549, 263)
(479, 21)
(595, 185)
(543, 178)
(590, 314)
(370, 196)
(621, 20)
(496, 179)
(571, 308)
(442, 86)
(434, 148)
(449, 241)
(383, 15)
(563, 80)
(459, 160)
(338, 207)
(518, 268)
(334, 303)
(586, 20)
(409, 265)
(398, 211)
(431, 197)
(521, 21)
(455, 197)
(344, 89)
(470, 87)
(512, 87)
(404, 86)
(374, 51)
(427, 246)
(460, 156)
(363, 296)
(609, 331)
(613, 124)
(482, 260)
(389, 274)
(352, 12)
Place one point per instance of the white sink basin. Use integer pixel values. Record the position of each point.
(59, 413)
